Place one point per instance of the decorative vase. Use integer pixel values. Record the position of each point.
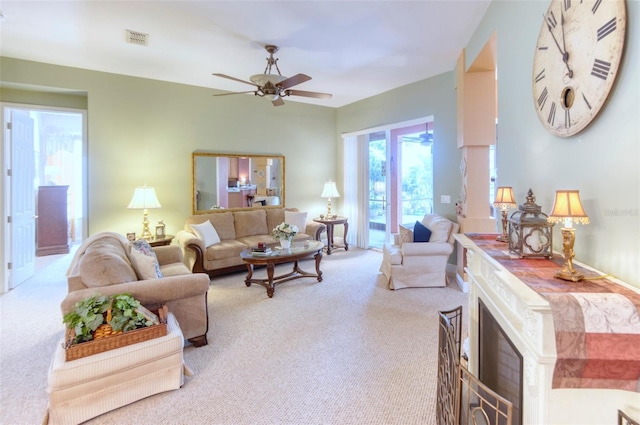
(285, 243)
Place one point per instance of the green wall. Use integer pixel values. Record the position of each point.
(144, 131)
(601, 161)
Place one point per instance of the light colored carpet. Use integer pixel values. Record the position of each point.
(343, 351)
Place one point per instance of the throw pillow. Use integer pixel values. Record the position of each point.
(406, 234)
(297, 218)
(440, 228)
(421, 233)
(206, 232)
(144, 260)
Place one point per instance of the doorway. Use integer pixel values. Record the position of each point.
(400, 179)
(42, 146)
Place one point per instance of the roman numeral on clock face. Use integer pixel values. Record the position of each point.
(540, 76)
(586, 101)
(595, 7)
(607, 29)
(543, 98)
(552, 113)
(567, 118)
(567, 4)
(551, 20)
(601, 69)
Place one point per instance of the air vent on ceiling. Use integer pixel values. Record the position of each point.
(135, 37)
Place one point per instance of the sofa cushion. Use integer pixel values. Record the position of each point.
(144, 260)
(421, 233)
(224, 250)
(222, 222)
(440, 227)
(249, 223)
(299, 219)
(206, 232)
(174, 269)
(105, 262)
(274, 217)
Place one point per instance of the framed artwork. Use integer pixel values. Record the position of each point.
(272, 192)
(131, 236)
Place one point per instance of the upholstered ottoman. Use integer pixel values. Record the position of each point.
(85, 388)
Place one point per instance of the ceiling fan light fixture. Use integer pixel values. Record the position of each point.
(262, 79)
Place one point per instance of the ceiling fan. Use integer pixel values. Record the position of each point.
(425, 139)
(274, 86)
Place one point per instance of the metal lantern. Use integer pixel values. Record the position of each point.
(530, 234)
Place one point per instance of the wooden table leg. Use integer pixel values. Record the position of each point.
(329, 238)
(318, 257)
(270, 287)
(346, 230)
(247, 280)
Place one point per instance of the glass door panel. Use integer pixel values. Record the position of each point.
(416, 176)
(377, 189)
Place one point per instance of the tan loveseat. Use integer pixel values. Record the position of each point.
(237, 230)
(103, 264)
(406, 263)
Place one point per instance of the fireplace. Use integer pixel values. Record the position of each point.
(511, 327)
(499, 362)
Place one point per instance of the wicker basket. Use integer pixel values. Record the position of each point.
(84, 349)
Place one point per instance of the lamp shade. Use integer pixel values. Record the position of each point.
(567, 205)
(330, 190)
(504, 197)
(144, 198)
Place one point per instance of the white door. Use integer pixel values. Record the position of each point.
(23, 212)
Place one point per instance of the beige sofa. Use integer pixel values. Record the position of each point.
(237, 230)
(103, 264)
(419, 264)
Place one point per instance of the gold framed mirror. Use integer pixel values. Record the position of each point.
(235, 181)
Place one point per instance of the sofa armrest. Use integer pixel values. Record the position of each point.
(315, 229)
(426, 248)
(193, 249)
(187, 238)
(148, 292)
(168, 254)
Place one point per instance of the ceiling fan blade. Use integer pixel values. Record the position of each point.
(235, 92)
(293, 81)
(308, 94)
(278, 102)
(234, 79)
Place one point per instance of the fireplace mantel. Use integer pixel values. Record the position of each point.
(527, 319)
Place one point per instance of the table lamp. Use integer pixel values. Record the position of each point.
(330, 191)
(567, 207)
(504, 200)
(144, 197)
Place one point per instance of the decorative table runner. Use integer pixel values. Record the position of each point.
(597, 322)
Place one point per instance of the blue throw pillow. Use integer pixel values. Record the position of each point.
(421, 233)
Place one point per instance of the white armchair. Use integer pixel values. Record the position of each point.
(419, 264)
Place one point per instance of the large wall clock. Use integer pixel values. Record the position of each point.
(576, 61)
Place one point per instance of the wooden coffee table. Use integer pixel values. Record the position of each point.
(280, 256)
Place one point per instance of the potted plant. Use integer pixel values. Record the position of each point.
(284, 233)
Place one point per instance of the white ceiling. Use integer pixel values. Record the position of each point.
(352, 49)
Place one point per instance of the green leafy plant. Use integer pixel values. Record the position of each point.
(87, 316)
(122, 312)
(125, 314)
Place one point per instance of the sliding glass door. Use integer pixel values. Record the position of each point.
(400, 179)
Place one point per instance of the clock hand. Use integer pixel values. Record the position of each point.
(565, 56)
